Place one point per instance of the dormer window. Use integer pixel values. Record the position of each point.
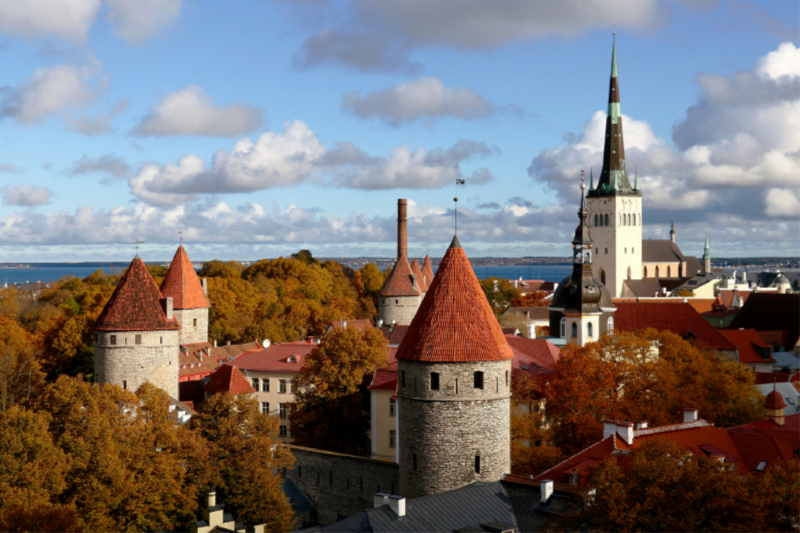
(291, 359)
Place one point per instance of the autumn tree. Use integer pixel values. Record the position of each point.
(246, 461)
(500, 293)
(221, 269)
(20, 372)
(531, 299)
(666, 489)
(532, 450)
(332, 402)
(646, 375)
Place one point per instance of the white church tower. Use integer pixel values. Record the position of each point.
(615, 208)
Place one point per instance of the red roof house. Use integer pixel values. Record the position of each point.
(752, 350)
(227, 378)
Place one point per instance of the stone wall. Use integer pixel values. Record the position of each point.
(341, 485)
(446, 429)
(192, 332)
(130, 365)
(401, 309)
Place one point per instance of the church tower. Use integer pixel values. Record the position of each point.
(581, 308)
(615, 208)
(137, 336)
(454, 387)
(189, 298)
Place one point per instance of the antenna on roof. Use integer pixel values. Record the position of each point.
(459, 181)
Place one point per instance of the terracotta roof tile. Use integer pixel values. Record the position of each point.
(399, 282)
(385, 378)
(763, 378)
(136, 304)
(182, 283)
(427, 270)
(228, 378)
(455, 323)
(200, 359)
(538, 351)
(360, 324)
(286, 357)
(394, 334)
(415, 269)
(726, 296)
(679, 318)
(749, 345)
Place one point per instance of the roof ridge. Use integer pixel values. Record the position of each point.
(601, 441)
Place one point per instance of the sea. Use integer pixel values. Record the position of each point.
(15, 276)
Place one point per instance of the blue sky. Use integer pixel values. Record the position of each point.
(262, 127)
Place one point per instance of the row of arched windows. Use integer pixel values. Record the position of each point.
(669, 271)
(625, 219)
(589, 328)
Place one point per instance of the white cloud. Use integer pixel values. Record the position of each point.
(68, 19)
(736, 150)
(424, 98)
(26, 195)
(137, 20)
(191, 111)
(108, 164)
(52, 89)
(295, 156)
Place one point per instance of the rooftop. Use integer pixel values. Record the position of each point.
(182, 284)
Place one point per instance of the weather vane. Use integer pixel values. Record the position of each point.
(137, 246)
(180, 233)
(459, 181)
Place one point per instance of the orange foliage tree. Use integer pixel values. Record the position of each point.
(532, 451)
(331, 409)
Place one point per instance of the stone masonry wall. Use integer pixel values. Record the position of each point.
(449, 427)
(191, 333)
(399, 308)
(130, 365)
(341, 485)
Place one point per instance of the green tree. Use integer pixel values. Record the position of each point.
(332, 401)
(246, 460)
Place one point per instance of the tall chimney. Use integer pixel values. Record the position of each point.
(402, 230)
(168, 310)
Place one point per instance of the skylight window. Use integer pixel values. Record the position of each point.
(762, 465)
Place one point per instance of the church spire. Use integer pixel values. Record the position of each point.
(707, 257)
(672, 230)
(614, 176)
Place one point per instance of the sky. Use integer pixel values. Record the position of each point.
(255, 128)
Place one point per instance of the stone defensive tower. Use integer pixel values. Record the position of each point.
(615, 208)
(137, 336)
(401, 294)
(454, 386)
(189, 298)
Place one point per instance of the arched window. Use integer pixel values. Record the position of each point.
(606, 222)
(610, 324)
(563, 328)
(629, 220)
(606, 251)
(629, 272)
(603, 277)
(634, 219)
(574, 329)
(669, 271)
(589, 332)
(656, 270)
(595, 220)
(620, 219)
(645, 272)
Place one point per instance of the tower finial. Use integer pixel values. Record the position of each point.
(137, 247)
(180, 236)
(459, 181)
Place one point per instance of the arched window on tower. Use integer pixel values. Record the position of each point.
(669, 271)
(589, 332)
(629, 272)
(645, 272)
(606, 220)
(595, 220)
(563, 328)
(656, 270)
(574, 329)
(610, 324)
(634, 219)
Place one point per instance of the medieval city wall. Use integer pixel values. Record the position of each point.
(192, 332)
(130, 365)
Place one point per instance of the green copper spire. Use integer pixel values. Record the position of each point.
(707, 249)
(614, 57)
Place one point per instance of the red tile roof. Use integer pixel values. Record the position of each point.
(228, 378)
(455, 323)
(385, 378)
(427, 270)
(679, 318)
(775, 377)
(771, 311)
(399, 282)
(200, 359)
(725, 296)
(182, 284)
(394, 334)
(538, 351)
(748, 343)
(287, 357)
(415, 269)
(136, 304)
(360, 324)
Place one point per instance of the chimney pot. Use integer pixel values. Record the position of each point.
(310, 339)
(398, 505)
(380, 323)
(215, 342)
(212, 499)
(641, 424)
(625, 432)
(228, 342)
(402, 231)
(204, 282)
(546, 488)
(689, 414)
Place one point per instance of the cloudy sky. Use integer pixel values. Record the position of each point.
(260, 127)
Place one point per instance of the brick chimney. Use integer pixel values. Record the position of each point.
(402, 230)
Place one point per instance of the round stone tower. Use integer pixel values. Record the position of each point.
(400, 296)
(454, 386)
(189, 298)
(137, 336)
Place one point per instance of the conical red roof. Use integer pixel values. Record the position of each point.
(427, 270)
(400, 281)
(415, 269)
(455, 322)
(136, 304)
(182, 283)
